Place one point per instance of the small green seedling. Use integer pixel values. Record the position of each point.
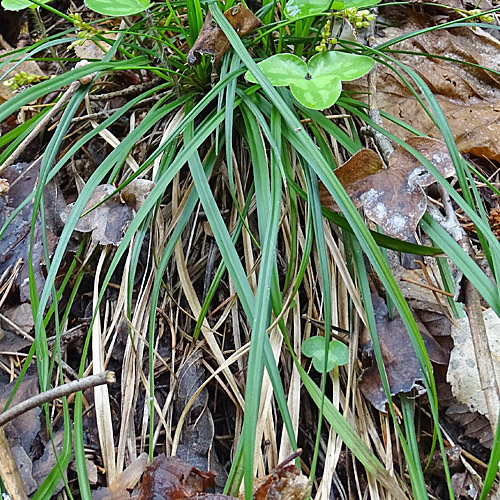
(316, 84)
(338, 353)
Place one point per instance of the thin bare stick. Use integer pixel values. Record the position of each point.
(60, 391)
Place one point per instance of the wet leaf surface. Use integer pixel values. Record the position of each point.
(401, 364)
(392, 197)
(212, 40)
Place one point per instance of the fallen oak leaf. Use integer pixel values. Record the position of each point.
(392, 197)
(212, 40)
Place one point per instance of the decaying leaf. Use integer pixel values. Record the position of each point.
(284, 483)
(44, 465)
(463, 374)
(212, 40)
(468, 95)
(4, 186)
(401, 364)
(23, 429)
(464, 486)
(196, 440)
(125, 481)
(108, 221)
(474, 425)
(89, 50)
(14, 245)
(172, 479)
(393, 197)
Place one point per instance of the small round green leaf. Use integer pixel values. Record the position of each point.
(281, 69)
(339, 352)
(314, 347)
(317, 93)
(114, 8)
(339, 65)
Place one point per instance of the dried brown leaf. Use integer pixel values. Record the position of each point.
(212, 40)
(401, 364)
(126, 480)
(172, 479)
(393, 197)
(14, 245)
(284, 483)
(108, 221)
(24, 428)
(468, 95)
(463, 374)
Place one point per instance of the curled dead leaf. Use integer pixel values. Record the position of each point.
(108, 220)
(172, 479)
(392, 197)
(212, 40)
(400, 361)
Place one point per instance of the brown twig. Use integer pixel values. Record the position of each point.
(432, 288)
(82, 384)
(128, 91)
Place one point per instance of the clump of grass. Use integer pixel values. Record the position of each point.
(280, 253)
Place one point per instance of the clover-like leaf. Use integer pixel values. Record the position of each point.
(122, 8)
(317, 84)
(300, 8)
(314, 347)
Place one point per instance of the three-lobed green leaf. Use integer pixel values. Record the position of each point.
(318, 83)
(314, 347)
